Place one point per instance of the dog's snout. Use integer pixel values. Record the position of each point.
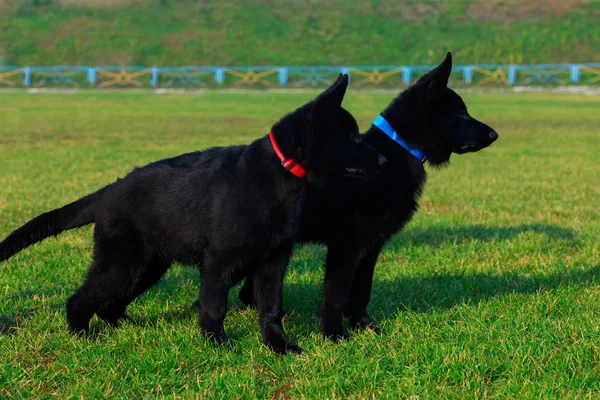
(493, 135)
(382, 161)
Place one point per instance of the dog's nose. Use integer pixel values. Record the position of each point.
(493, 135)
(382, 161)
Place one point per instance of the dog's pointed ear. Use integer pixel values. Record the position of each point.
(331, 99)
(437, 78)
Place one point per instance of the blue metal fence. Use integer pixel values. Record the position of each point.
(270, 77)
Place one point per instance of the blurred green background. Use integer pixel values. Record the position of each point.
(294, 32)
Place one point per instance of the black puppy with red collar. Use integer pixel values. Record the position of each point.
(229, 211)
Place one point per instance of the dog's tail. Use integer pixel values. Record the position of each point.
(51, 223)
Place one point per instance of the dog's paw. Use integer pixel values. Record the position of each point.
(115, 320)
(365, 323)
(283, 347)
(279, 344)
(337, 337)
(333, 330)
(216, 336)
(80, 332)
(293, 348)
(78, 327)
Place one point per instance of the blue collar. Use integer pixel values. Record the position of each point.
(385, 127)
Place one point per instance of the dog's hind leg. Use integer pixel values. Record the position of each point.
(104, 288)
(149, 276)
(81, 306)
(339, 271)
(360, 294)
(108, 285)
(268, 296)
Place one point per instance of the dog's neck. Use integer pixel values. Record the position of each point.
(262, 165)
(287, 162)
(399, 159)
(391, 149)
(384, 126)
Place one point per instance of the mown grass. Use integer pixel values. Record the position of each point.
(271, 32)
(491, 291)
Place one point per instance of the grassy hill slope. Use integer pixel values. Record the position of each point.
(294, 32)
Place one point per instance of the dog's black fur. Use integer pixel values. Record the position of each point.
(230, 211)
(355, 219)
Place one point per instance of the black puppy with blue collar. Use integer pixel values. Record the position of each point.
(428, 121)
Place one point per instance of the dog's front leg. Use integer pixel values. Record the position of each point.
(360, 294)
(267, 282)
(339, 271)
(212, 308)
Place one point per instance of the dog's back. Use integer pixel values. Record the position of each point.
(178, 208)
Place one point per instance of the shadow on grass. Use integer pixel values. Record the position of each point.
(436, 292)
(423, 294)
(10, 322)
(437, 236)
(419, 294)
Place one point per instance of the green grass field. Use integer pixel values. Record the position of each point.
(493, 290)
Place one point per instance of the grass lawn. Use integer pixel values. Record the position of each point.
(322, 32)
(493, 290)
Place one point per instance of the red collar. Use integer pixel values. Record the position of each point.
(288, 163)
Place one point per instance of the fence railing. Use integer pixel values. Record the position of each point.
(292, 77)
